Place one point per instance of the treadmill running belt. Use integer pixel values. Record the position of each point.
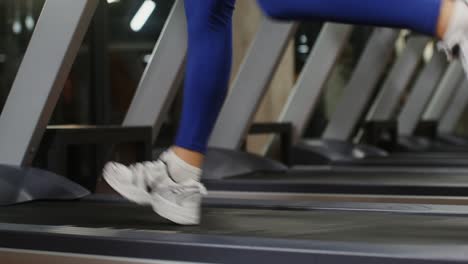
(405, 161)
(379, 182)
(99, 230)
(380, 177)
(371, 227)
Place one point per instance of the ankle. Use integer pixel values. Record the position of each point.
(179, 169)
(192, 158)
(446, 15)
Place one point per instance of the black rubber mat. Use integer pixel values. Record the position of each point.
(372, 183)
(364, 178)
(407, 161)
(369, 227)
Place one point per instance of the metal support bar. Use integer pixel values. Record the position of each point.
(43, 72)
(163, 74)
(305, 95)
(251, 84)
(421, 94)
(403, 69)
(441, 99)
(450, 119)
(362, 84)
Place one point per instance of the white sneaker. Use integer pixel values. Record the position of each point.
(150, 183)
(457, 34)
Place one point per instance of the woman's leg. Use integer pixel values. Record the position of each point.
(445, 19)
(175, 177)
(172, 184)
(418, 15)
(209, 54)
(446, 13)
(209, 57)
(207, 74)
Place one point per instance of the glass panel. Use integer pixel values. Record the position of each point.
(130, 49)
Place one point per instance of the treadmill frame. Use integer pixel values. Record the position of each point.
(449, 121)
(419, 98)
(37, 88)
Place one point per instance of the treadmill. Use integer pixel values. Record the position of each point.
(335, 148)
(443, 113)
(240, 170)
(438, 152)
(441, 125)
(47, 219)
(420, 108)
(228, 169)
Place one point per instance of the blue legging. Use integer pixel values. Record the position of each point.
(210, 46)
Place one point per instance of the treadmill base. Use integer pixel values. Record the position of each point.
(19, 185)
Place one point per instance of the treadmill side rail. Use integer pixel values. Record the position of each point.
(41, 77)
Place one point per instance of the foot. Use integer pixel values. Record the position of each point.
(151, 183)
(456, 35)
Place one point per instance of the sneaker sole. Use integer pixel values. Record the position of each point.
(174, 212)
(166, 209)
(129, 192)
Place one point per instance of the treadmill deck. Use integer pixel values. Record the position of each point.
(347, 226)
(354, 233)
(378, 182)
